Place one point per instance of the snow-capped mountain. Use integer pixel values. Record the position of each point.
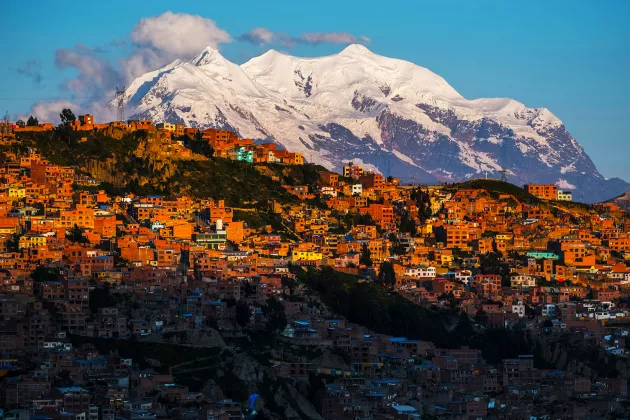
(386, 114)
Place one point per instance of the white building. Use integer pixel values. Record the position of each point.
(165, 126)
(357, 189)
(464, 276)
(329, 191)
(522, 282)
(420, 272)
(519, 309)
(564, 195)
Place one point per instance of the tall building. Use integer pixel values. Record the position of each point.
(543, 191)
(352, 171)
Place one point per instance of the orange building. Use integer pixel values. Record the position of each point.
(372, 180)
(105, 224)
(329, 178)
(577, 254)
(619, 244)
(543, 191)
(380, 213)
(459, 236)
(218, 211)
(219, 138)
(234, 232)
(289, 158)
(81, 216)
(352, 171)
(141, 125)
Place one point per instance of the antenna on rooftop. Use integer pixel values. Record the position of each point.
(503, 173)
(120, 103)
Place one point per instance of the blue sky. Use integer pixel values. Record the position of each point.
(572, 57)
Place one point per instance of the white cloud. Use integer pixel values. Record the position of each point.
(49, 111)
(258, 36)
(315, 38)
(262, 36)
(157, 41)
(142, 61)
(94, 74)
(178, 34)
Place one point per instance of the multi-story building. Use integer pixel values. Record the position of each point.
(564, 195)
(543, 191)
(166, 126)
(352, 171)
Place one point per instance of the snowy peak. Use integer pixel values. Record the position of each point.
(209, 56)
(356, 49)
(387, 114)
(354, 68)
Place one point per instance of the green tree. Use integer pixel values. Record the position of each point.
(13, 244)
(491, 263)
(64, 130)
(386, 274)
(242, 313)
(76, 235)
(100, 297)
(200, 146)
(481, 317)
(43, 274)
(423, 202)
(249, 289)
(32, 122)
(67, 117)
(276, 318)
(407, 224)
(366, 256)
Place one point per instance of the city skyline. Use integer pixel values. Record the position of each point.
(570, 58)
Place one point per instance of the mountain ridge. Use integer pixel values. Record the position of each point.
(388, 114)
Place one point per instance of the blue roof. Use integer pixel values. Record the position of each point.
(91, 362)
(386, 381)
(402, 340)
(71, 389)
(404, 408)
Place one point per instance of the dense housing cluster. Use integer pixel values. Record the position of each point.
(164, 277)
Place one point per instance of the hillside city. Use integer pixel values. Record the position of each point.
(155, 271)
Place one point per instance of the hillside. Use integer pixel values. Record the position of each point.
(142, 163)
(622, 201)
(495, 187)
